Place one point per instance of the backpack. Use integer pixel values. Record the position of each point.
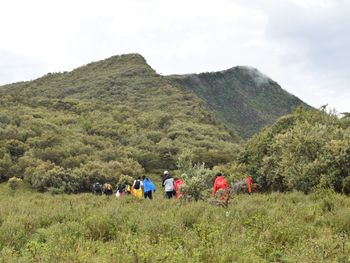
(97, 188)
(121, 188)
(108, 187)
(137, 184)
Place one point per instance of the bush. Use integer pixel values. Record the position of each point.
(99, 227)
(126, 179)
(197, 179)
(346, 185)
(14, 183)
(293, 153)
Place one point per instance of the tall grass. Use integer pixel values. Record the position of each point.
(274, 227)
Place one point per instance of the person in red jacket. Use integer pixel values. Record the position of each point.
(249, 184)
(177, 183)
(220, 184)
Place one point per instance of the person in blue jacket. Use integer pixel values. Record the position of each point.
(148, 187)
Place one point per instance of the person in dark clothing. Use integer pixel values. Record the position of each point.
(97, 188)
(107, 189)
(121, 190)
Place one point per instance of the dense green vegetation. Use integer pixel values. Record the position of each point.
(276, 227)
(110, 118)
(299, 152)
(242, 97)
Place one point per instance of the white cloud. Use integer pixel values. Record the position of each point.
(301, 44)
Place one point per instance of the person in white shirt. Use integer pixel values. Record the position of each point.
(168, 184)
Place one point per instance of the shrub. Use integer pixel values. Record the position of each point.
(126, 179)
(196, 177)
(99, 227)
(346, 185)
(14, 183)
(294, 152)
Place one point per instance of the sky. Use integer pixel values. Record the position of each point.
(301, 44)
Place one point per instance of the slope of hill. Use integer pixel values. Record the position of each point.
(242, 97)
(102, 121)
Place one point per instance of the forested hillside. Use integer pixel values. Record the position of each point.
(101, 121)
(242, 97)
(118, 117)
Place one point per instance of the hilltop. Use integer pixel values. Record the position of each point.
(242, 97)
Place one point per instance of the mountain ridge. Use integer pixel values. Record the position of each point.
(244, 98)
(239, 96)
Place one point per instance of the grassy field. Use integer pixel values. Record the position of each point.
(273, 227)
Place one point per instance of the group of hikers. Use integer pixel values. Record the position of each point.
(143, 187)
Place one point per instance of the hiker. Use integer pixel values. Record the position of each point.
(148, 187)
(177, 183)
(107, 189)
(121, 190)
(220, 184)
(237, 186)
(165, 174)
(128, 188)
(136, 188)
(249, 184)
(168, 184)
(97, 188)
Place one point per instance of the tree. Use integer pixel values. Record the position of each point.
(197, 179)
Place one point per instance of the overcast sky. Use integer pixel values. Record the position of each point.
(301, 44)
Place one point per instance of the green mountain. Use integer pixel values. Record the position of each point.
(118, 117)
(102, 121)
(242, 97)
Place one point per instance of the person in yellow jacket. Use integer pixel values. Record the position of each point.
(137, 188)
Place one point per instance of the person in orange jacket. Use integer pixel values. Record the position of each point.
(249, 184)
(220, 184)
(177, 183)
